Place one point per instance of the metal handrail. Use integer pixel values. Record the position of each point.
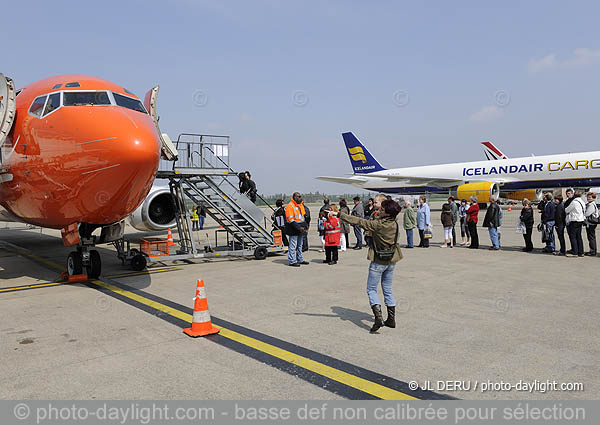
(206, 145)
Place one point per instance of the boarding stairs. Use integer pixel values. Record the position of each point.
(202, 175)
(7, 117)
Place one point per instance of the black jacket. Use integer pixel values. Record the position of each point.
(251, 189)
(560, 215)
(307, 215)
(527, 217)
(492, 216)
(278, 218)
(548, 213)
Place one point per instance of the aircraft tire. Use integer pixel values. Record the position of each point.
(74, 263)
(95, 267)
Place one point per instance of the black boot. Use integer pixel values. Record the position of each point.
(390, 322)
(378, 318)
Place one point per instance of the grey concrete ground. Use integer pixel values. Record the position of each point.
(463, 315)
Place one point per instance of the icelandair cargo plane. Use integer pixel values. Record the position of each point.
(483, 179)
(78, 153)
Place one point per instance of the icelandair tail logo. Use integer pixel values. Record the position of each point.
(357, 154)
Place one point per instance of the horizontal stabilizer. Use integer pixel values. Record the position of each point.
(345, 180)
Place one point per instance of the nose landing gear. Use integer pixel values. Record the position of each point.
(82, 260)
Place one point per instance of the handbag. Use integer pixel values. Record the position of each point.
(428, 233)
(521, 229)
(387, 255)
(594, 218)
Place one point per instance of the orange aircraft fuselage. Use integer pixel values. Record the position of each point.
(92, 163)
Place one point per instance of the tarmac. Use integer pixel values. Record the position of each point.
(479, 317)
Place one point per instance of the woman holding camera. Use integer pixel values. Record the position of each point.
(384, 254)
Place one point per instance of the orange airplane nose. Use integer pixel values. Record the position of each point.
(126, 165)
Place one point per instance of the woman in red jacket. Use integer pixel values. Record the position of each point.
(472, 213)
(332, 237)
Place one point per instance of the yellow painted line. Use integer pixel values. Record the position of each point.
(40, 259)
(304, 362)
(168, 269)
(345, 378)
(37, 285)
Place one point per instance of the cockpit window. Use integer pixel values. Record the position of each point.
(85, 98)
(129, 103)
(37, 106)
(74, 84)
(52, 104)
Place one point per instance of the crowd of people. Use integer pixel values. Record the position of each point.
(376, 225)
(556, 216)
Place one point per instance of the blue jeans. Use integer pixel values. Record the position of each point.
(201, 219)
(550, 245)
(358, 234)
(295, 249)
(385, 274)
(494, 237)
(409, 238)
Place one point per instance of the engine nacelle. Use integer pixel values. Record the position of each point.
(531, 194)
(156, 213)
(483, 191)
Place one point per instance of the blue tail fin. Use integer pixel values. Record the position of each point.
(360, 158)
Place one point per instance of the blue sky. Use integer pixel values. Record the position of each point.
(418, 83)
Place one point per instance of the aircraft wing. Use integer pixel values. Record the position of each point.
(408, 180)
(344, 180)
(412, 180)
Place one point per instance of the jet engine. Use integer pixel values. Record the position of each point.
(483, 191)
(531, 194)
(156, 213)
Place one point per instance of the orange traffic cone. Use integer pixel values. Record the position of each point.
(170, 238)
(201, 324)
(509, 207)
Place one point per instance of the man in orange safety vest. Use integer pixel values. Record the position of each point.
(295, 227)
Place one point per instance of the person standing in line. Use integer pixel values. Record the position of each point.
(548, 220)
(464, 228)
(332, 237)
(559, 224)
(526, 218)
(492, 222)
(295, 227)
(500, 218)
(575, 209)
(369, 214)
(591, 221)
(410, 222)
(447, 221)
(383, 257)
(423, 221)
(305, 245)
(201, 215)
(278, 218)
(358, 211)
(322, 218)
(454, 210)
(472, 219)
(370, 208)
(345, 237)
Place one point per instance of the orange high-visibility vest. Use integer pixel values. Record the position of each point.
(294, 212)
